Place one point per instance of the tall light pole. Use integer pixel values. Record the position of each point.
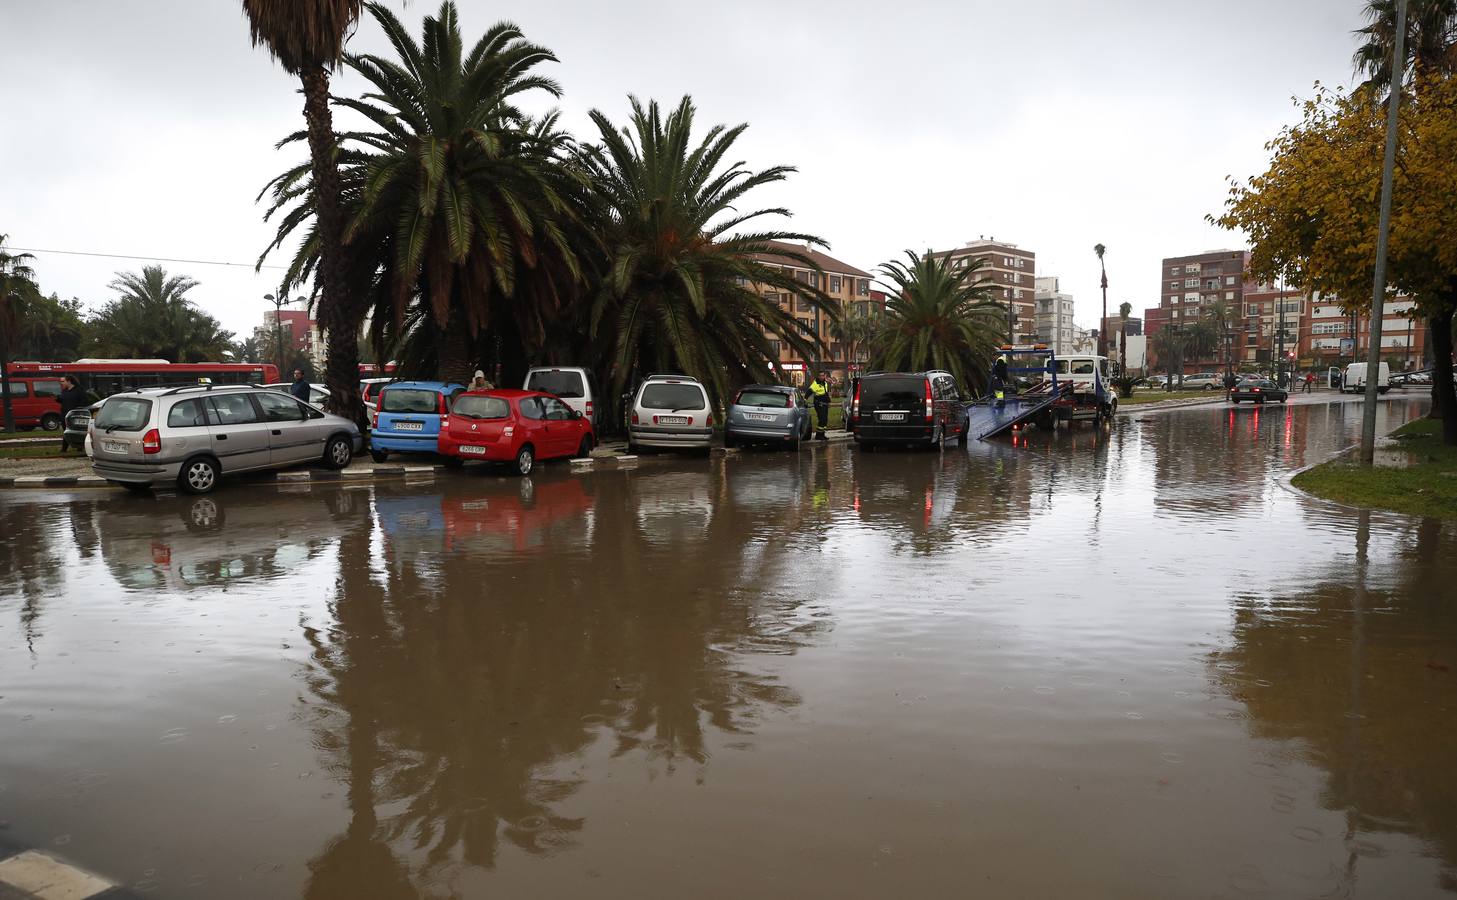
(1103, 322)
(278, 303)
(1383, 230)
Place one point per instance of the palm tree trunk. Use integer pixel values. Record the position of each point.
(5, 382)
(338, 312)
(454, 353)
(1444, 395)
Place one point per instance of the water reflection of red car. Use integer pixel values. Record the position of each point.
(519, 427)
(516, 523)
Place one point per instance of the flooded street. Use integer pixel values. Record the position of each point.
(1135, 664)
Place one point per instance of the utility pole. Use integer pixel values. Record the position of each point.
(1383, 230)
(1280, 335)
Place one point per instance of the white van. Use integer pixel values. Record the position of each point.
(575, 386)
(1355, 380)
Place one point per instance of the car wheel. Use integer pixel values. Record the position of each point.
(338, 452)
(1283, 399)
(525, 460)
(378, 456)
(51, 422)
(584, 449)
(452, 462)
(198, 476)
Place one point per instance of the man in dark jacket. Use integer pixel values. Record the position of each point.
(72, 397)
(300, 387)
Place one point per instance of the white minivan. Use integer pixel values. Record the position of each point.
(1355, 379)
(575, 386)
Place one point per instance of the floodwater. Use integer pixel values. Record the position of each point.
(1098, 666)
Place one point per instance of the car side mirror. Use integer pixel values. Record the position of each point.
(576, 414)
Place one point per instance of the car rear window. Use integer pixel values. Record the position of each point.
(482, 407)
(878, 391)
(563, 384)
(409, 400)
(774, 399)
(664, 395)
(124, 414)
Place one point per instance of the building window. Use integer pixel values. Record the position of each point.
(834, 284)
(1229, 295)
(865, 287)
(814, 279)
(1229, 281)
(1191, 282)
(801, 275)
(774, 349)
(805, 305)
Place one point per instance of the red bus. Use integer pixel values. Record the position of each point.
(104, 377)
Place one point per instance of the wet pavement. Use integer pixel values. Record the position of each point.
(1133, 664)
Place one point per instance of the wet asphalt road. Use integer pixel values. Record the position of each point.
(1133, 664)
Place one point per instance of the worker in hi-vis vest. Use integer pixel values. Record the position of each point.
(999, 378)
(819, 390)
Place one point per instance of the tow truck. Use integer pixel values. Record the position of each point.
(1047, 391)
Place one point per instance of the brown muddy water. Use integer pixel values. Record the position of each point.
(1132, 665)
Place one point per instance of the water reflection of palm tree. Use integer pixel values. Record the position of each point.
(450, 687)
(1358, 671)
(30, 564)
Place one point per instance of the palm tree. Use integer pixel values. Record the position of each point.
(17, 289)
(307, 38)
(1171, 343)
(50, 329)
(1221, 317)
(1431, 40)
(458, 200)
(1124, 310)
(152, 317)
(939, 317)
(1202, 339)
(855, 330)
(678, 293)
(1099, 249)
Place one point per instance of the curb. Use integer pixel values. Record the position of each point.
(285, 477)
(33, 874)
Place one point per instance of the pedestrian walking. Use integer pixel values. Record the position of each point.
(819, 391)
(478, 382)
(300, 386)
(1309, 382)
(72, 397)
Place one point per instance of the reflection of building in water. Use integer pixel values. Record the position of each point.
(455, 693)
(1356, 674)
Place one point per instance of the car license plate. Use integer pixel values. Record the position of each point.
(891, 416)
(672, 420)
(474, 451)
(113, 447)
(409, 426)
(759, 417)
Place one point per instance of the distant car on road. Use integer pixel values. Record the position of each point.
(1206, 381)
(767, 414)
(1258, 390)
(519, 427)
(192, 436)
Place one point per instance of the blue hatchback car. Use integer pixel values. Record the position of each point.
(407, 418)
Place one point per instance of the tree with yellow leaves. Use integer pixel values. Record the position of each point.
(1312, 216)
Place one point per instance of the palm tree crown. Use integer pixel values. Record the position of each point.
(152, 317)
(1431, 39)
(939, 317)
(679, 289)
(302, 34)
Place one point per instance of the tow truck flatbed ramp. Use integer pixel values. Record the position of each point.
(989, 418)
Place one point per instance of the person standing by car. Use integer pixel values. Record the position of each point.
(72, 397)
(478, 382)
(300, 387)
(819, 390)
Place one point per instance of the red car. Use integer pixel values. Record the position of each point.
(518, 427)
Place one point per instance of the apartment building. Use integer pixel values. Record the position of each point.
(1054, 314)
(847, 285)
(1010, 273)
(1189, 285)
(301, 335)
(1331, 337)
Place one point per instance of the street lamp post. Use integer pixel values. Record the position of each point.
(278, 304)
(1383, 230)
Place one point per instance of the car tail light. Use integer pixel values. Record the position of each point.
(855, 404)
(588, 413)
(1256, 390)
(792, 404)
(444, 422)
(710, 420)
(930, 409)
(374, 422)
(152, 441)
(440, 406)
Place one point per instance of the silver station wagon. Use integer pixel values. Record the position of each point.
(192, 436)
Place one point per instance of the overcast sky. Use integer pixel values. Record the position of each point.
(146, 127)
